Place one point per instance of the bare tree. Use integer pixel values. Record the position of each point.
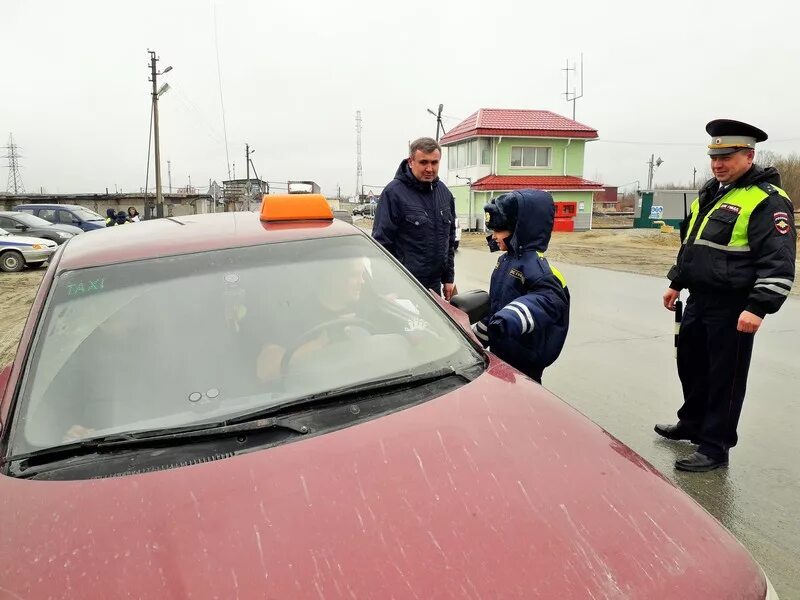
(789, 168)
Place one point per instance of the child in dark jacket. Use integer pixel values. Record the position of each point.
(528, 318)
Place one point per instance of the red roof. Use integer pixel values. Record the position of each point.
(548, 183)
(518, 123)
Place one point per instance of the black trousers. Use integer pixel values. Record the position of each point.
(713, 362)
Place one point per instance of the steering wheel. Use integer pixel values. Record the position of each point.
(340, 323)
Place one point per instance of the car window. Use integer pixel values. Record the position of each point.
(48, 214)
(65, 217)
(24, 210)
(31, 220)
(7, 223)
(179, 340)
(85, 214)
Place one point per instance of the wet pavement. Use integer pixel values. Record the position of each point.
(618, 368)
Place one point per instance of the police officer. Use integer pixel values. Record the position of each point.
(737, 260)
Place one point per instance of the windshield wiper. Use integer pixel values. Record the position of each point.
(363, 388)
(121, 441)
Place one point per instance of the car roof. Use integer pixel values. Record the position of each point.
(187, 235)
(67, 206)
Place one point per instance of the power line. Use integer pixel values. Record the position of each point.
(14, 177)
(221, 103)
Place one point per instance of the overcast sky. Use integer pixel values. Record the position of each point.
(75, 89)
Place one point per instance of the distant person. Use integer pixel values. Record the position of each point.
(111, 217)
(737, 260)
(415, 219)
(122, 217)
(529, 301)
(133, 214)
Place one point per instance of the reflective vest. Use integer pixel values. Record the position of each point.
(725, 226)
(716, 249)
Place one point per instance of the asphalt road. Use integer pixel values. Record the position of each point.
(618, 368)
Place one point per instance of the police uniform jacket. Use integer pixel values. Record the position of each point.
(529, 301)
(739, 240)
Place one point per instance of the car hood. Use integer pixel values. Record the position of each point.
(25, 240)
(497, 489)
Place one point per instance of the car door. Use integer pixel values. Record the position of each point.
(10, 225)
(48, 214)
(65, 217)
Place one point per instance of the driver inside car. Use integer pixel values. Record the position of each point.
(335, 313)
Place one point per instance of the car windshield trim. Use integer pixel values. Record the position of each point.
(364, 388)
(135, 439)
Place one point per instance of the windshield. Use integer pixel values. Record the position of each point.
(32, 220)
(186, 339)
(86, 215)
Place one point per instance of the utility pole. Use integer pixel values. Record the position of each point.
(169, 175)
(438, 116)
(154, 73)
(651, 167)
(247, 161)
(694, 178)
(359, 173)
(14, 178)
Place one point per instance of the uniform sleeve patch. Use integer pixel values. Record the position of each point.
(731, 207)
(781, 222)
(517, 275)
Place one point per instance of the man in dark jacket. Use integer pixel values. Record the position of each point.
(738, 261)
(529, 301)
(415, 219)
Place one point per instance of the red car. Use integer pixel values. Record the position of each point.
(244, 406)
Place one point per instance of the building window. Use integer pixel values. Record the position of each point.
(485, 146)
(462, 155)
(530, 156)
(452, 157)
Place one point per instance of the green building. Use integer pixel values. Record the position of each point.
(499, 150)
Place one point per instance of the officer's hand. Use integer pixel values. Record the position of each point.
(449, 291)
(748, 322)
(670, 296)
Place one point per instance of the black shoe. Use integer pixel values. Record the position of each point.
(677, 432)
(699, 463)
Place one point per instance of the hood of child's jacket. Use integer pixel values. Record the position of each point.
(535, 215)
(405, 175)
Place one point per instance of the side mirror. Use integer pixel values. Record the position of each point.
(474, 302)
(23, 227)
(77, 222)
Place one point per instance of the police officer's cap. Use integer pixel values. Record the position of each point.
(729, 136)
(501, 213)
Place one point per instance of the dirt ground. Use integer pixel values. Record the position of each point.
(643, 251)
(16, 295)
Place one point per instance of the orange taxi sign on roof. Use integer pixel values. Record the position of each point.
(295, 207)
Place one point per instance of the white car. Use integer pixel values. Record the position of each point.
(16, 251)
(458, 233)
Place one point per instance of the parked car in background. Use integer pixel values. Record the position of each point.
(65, 214)
(343, 215)
(18, 251)
(20, 223)
(458, 234)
